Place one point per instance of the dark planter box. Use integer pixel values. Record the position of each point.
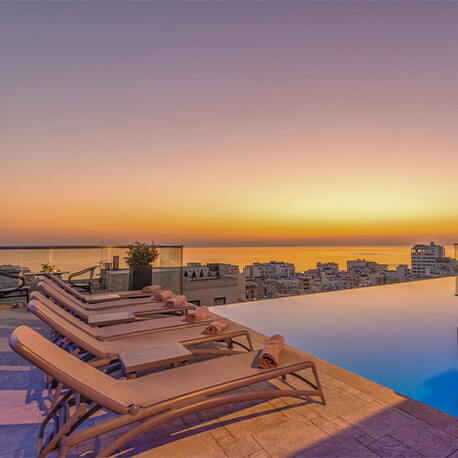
(140, 276)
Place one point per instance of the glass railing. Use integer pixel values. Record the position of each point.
(111, 273)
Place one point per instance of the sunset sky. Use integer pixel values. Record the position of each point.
(228, 123)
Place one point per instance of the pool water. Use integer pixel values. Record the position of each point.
(402, 336)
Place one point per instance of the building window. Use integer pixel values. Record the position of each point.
(195, 303)
(219, 301)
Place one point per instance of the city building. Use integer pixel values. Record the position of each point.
(272, 269)
(213, 284)
(430, 261)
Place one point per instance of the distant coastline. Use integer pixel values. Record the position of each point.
(303, 257)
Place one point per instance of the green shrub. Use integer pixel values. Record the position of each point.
(141, 254)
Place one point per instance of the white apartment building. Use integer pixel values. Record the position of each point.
(272, 269)
(424, 258)
(283, 269)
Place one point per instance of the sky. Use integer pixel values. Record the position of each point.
(228, 123)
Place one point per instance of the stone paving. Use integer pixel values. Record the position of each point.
(361, 418)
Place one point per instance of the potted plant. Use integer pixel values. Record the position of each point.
(140, 257)
(46, 267)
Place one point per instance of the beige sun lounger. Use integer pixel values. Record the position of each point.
(83, 311)
(101, 305)
(97, 297)
(148, 401)
(118, 331)
(73, 337)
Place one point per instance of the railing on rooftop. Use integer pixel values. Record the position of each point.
(112, 273)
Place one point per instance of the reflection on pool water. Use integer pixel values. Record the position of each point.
(402, 336)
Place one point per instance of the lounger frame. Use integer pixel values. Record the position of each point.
(73, 407)
(65, 435)
(84, 310)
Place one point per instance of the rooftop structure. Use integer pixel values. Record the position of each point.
(361, 418)
(213, 284)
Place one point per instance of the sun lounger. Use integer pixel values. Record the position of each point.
(83, 311)
(149, 401)
(97, 297)
(100, 305)
(118, 331)
(73, 337)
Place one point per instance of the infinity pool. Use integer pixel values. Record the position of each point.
(402, 336)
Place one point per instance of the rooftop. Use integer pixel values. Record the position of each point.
(361, 418)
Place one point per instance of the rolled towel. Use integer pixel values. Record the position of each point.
(198, 314)
(271, 352)
(175, 301)
(160, 297)
(216, 326)
(151, 289)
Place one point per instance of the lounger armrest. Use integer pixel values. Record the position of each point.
(104, 319)
(96, 298)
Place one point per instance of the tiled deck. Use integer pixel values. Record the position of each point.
(361, 418)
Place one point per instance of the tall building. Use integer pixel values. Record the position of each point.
(424, 258)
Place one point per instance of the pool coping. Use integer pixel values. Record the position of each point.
(417, 409)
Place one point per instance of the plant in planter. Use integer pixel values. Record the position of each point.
(46, 267)
(140, 257)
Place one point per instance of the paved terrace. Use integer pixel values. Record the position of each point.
(361, 418)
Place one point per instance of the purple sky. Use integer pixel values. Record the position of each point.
(325, 114)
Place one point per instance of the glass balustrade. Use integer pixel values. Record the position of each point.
(111, 271)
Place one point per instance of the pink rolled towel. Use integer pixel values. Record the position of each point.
(198, 314)
(216, 326)
(176, 301)
(160, 297)
(151, 289)
(271, 352)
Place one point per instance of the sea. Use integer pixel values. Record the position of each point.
(303, 257)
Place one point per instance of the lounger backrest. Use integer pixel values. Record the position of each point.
(69, 370)
(62, 292)
(69, 330)
(62, 300)
(62, 284)
(63, 313)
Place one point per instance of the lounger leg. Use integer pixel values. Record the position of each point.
(318, 383)
(80, 411)
(54, 397)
